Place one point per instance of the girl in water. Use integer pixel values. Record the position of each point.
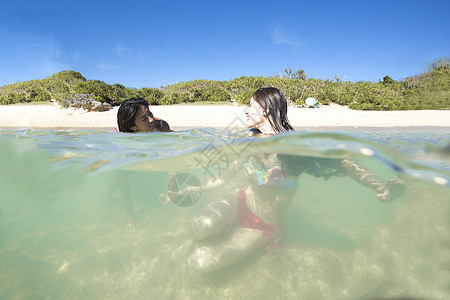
(249, 217)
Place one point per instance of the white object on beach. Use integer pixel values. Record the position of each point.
(310, 101)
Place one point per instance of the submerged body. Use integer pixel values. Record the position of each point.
(245, 219)
(250, 217)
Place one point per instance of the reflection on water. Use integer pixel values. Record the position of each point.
(66, 231)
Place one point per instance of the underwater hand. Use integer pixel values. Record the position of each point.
(164, 198)
(393, 189)
(172, 190)
(169, 197)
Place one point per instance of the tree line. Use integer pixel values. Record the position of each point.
(430, 90)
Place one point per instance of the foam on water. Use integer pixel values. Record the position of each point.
(66, 231)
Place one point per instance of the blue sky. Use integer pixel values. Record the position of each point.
(156, 43)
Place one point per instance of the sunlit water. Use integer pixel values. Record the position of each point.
(80, 218)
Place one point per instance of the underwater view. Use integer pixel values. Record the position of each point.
(84, 214)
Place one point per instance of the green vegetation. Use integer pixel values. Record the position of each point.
(425, 91)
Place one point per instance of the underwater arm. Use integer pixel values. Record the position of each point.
(385, 190)
(210, 184)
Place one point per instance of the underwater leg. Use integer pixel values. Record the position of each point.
(236, 244)
(215, 217)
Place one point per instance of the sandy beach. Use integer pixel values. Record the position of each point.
(49, 116)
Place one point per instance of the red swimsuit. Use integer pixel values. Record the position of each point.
(247, 219)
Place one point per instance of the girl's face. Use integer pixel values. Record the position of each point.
(144, 120)
(255, 116)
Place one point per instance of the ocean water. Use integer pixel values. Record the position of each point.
(81, 217)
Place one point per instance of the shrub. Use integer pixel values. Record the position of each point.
(211, 94)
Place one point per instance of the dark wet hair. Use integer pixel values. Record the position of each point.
(126, 114)
(274, 107)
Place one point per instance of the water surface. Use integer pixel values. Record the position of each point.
(80, 217)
